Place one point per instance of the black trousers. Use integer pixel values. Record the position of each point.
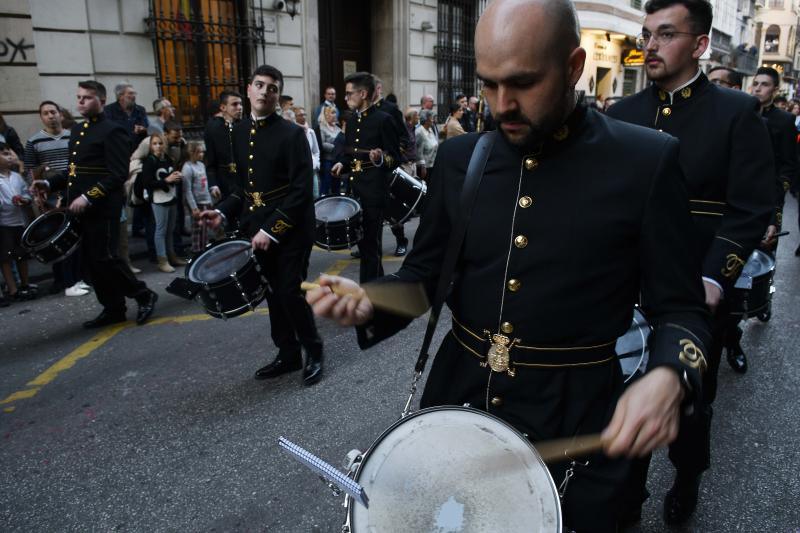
(112, 279)
(371, 245)
(291, 318)
(544, 404)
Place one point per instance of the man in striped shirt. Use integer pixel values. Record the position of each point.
(49, 146)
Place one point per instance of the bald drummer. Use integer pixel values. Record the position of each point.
(566, 232)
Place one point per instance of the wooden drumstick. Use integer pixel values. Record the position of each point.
(552, 451)
(404, 299)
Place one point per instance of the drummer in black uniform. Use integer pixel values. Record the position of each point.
(372, 152)
(727, 162)
(218, 137)
(391, 109)
(567, 229)
(98, 167)
(273, 199)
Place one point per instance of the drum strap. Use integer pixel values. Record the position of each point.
(472, 181)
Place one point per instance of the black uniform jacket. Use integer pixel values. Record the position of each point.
(563, 240)
(783, 135)
(365, 131)
(274, 186)
(99, 151)
(399, 122)
(726, 160)
(218, 139)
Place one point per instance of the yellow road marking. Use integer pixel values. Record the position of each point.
(85, 349)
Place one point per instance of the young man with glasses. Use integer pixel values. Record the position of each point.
(272, 198)
(725, 77)
(373, 151)
(726, 160)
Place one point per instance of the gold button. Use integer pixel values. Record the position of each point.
(531, 163)
(520, 241)
(507, 328)
(251, 208)
(251, 156)
(252, 143)
(69, 184)
(251, 183)
(497, 401)
(525, 202)
(514, 285)
(666, 111)
(83, 133)
(250, 170)
(356, 140)
(253, 131)
(85, 124)
(74, 153)
(77, 143)
(358, 130)
(662, 131)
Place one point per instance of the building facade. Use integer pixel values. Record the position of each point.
(776, 35)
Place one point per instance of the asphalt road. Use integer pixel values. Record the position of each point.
(162, 428)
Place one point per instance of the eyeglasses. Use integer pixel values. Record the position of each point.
(348, 94)
(663, 38)
(720, 81)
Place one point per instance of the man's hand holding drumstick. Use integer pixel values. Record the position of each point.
(341, 300)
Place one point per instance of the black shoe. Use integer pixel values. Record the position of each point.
(355, 253)
(681, 499)
(105, 318)
(147, 305)
(282, 364)
(312, 372)
(402, 248)
(737, 359)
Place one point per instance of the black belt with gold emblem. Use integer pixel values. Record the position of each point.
(75, 170)
(258, 199)
(707, 208)
(483, 345)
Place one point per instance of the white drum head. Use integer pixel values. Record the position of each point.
(453, 469)
(758, 264)
(335, 208)
(220, 261)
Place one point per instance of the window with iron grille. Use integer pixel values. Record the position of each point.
(455, 52)
(202, 47)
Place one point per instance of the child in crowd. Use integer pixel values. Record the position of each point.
(14, 196)
(159, 179)
(195, 188)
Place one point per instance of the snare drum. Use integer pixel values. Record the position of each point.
(632, 350)
(454, 469)
(53, 236)
(339, 222)
(752, 292)
(405, 194)
(230, 278)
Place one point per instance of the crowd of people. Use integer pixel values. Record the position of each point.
(701, 143)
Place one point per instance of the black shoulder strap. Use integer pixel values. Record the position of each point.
(472, 181)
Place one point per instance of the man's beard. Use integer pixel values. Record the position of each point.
(538, 131)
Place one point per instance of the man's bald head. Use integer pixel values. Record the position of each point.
(550, 22)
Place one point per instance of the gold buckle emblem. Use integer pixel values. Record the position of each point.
(498, 358)
(356, 166)
(255, 197)
(72, 169)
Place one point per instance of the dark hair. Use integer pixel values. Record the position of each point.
(779, 99)
(362, 80)
(734, 78)
(282, 99)
(224, 95)
(268, 70)
(772, 73)
(459, 96)
(454, 107)
(700, 12)
(172, 125)
(67, 120)
(91, 85)
(49, 102)
(391, 98)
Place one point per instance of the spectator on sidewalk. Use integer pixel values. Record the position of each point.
(13, 196)
(165, 111)
(126, 112)
(452, 127)
(197, 195)
(13, 142)
(300, 120)
(328, 102)
(160, 179)
(427, 143)
(329, 130)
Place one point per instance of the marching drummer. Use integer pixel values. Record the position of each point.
(730, 177)
(561, 240)
(373, 151)
(273, 200)
(98, 167)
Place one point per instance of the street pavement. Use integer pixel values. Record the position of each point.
(162, 428)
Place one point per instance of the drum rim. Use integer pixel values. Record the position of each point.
(193, 261)
(68, 220)
(769, 260)
(428, 410)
